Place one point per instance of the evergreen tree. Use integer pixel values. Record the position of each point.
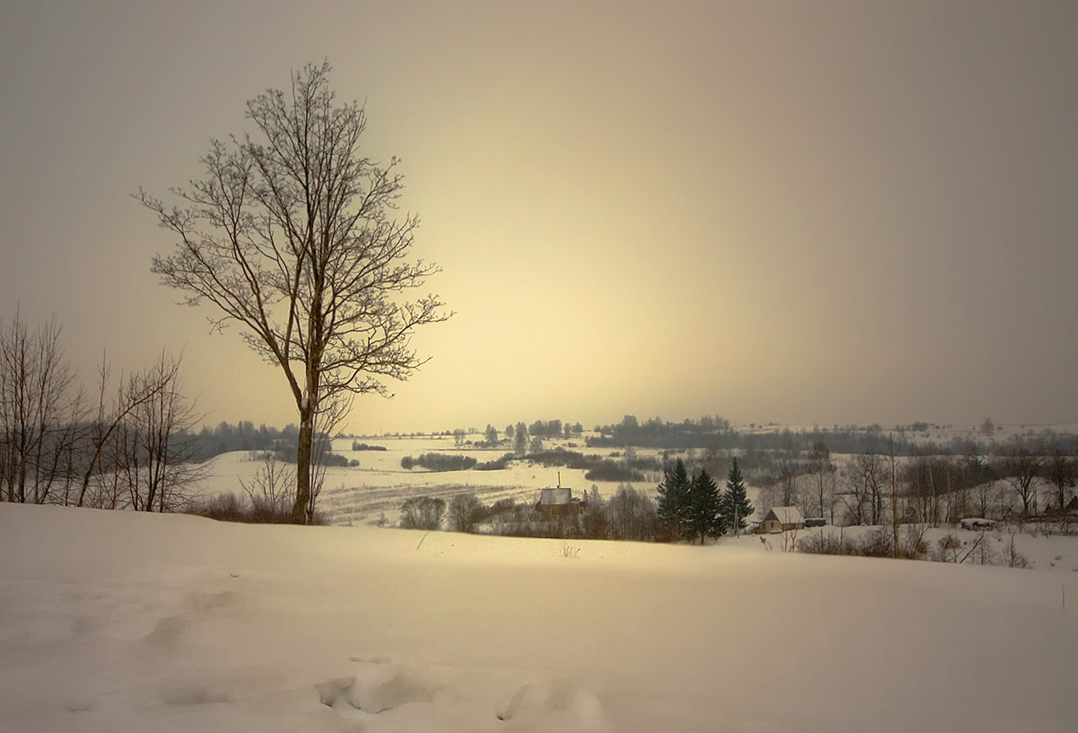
(706, 518)
(675, 502)
(735, 506)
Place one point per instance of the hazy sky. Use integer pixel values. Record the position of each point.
(772, 211)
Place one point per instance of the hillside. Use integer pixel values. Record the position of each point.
(115, 621)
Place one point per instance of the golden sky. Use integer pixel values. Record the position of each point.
(771, 211)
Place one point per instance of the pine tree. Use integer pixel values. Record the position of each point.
(735, 506)
(675, 501)
(706, 518)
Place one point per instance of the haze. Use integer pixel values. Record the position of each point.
(772, 211)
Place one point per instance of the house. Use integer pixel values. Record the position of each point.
(557, 501)
(781, 519)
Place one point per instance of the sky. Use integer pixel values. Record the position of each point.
(800, 213)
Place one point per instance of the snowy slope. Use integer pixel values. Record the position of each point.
(114, 621)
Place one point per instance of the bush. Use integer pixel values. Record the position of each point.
(613, 471)
(877, 543)
(288, 455)
(363, 446)
(495, 465)
(465, 513)
(229, 508)
(439, 462)
(423, 512)
(335, 459)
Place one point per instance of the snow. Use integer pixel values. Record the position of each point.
(117, 621)
(379, 485)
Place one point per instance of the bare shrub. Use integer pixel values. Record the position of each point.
(465, 512)
(424, 512)
(948, 548)
(230, 508)
(1012, 558)
(877, 543)
(828, 544)
(224, 508)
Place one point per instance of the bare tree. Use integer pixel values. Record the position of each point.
(272, 490)
(39, 411)
(823, 479)
(155, 445)
(892, 464)
(863, 492)
(99, 442)
(1020, 469)
(789, 484)
(631, 514)
(1063, 473)
(464, 513)
(291, 237)
(423, 512)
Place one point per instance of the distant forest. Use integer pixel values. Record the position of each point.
(706, 434)
(225, 438)
(717, 434)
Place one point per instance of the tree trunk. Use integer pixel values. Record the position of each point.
(303, 467)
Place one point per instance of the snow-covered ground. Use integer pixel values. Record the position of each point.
(379, 485)
(116, 621)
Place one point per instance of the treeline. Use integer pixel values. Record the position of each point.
(927, 487)
(117, 443)
(244, 436)
(630, 469)
(630, 514)
(716, 433)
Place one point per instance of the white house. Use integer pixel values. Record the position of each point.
(781, 519)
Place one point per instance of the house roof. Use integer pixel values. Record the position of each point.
(556, 496)
(785, 515)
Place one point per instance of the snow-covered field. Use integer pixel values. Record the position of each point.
(379, 485)
(116, 621)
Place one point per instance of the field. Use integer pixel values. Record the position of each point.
(117, 621)
(379, 485)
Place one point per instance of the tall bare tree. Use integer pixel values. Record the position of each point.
(152, 446)
(823, 479)
(290, 235)
(39, 410)
(1062, 471)
(101, 440)
(1021, 468)
(863, 494)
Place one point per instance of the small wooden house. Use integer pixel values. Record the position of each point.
(781, 519)
(557, 501)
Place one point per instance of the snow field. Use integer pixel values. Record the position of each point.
(379, 485)
(115, 621)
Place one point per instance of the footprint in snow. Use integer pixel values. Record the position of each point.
(555, 706)
(374, 690)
